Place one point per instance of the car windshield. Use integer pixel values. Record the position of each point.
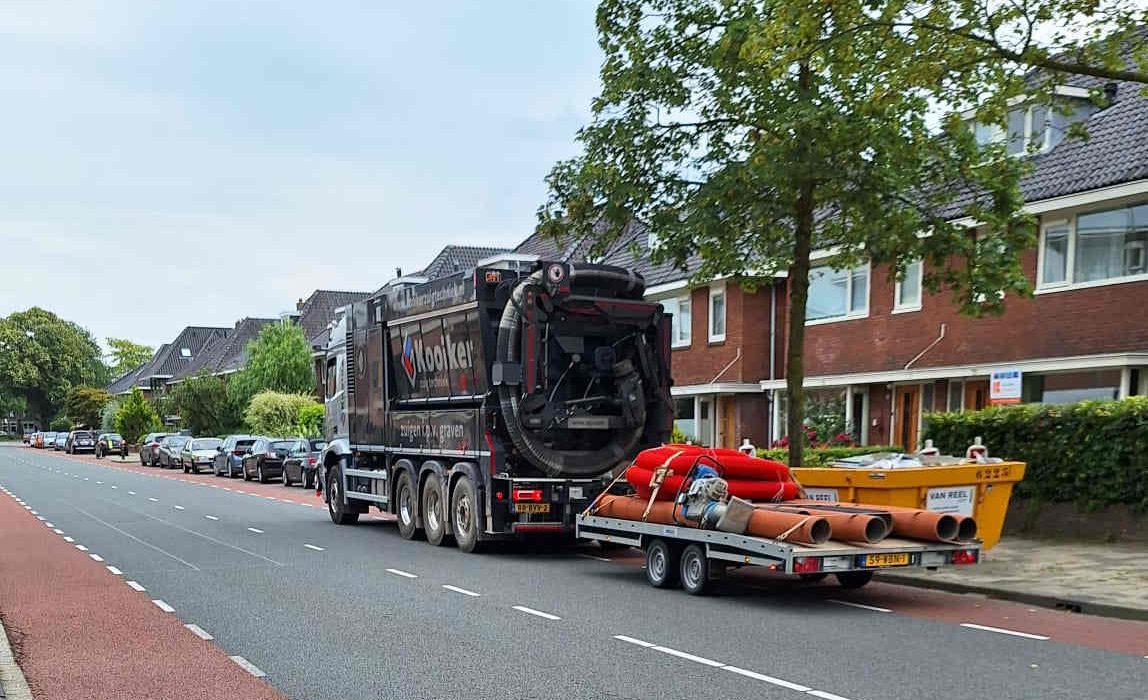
(283, 444)
(113, 436)
(176, 441)
(206, 443)
(244, 443)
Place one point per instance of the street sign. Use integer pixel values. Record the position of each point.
(1004, 386)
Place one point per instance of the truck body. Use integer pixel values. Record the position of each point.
(493, 402)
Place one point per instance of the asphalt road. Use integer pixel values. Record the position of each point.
(357, 612)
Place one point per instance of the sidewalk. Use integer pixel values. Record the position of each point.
(1098, 579)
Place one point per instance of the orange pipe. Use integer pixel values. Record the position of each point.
(914, 523)
(966, 528)
(850, 527)
(810, 529)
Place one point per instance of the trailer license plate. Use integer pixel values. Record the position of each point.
(531, 507)
(878, 560)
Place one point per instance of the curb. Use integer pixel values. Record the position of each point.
(1084, 606)
(13, 685)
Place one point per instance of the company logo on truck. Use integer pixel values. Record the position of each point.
(436, 359)
(409, 360)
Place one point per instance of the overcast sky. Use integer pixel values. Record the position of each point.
(192, 162)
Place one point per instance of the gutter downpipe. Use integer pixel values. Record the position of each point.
(944, 327)
(772, 355)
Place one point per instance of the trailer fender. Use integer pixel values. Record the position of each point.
(457, 472)
(429, 469)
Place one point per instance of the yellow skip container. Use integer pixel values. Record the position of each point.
(979, 490)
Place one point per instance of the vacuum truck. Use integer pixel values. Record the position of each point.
(494, 402)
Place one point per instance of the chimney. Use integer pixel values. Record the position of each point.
(1110, 90)
(299, 305)
(398, 272)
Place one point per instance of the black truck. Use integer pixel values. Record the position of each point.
(494, 402)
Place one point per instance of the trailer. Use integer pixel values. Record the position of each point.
(694, 558)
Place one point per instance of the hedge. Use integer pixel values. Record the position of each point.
(1092, 453)
(823, 456)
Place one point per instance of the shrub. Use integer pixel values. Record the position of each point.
(204, 406)
(309, 419)
(822, 456)
(136, 417)
(60, 424)
(108, 417)
(1093, 453)
(276, 414)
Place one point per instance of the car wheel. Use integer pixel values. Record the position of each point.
(464, 514)
(662, 564)
(405, 498)
(854, 579)
(246, 476)
(185, 469)
(308, 480)
(336, 506)
(434, 511)
(286, 478)
(259, 473)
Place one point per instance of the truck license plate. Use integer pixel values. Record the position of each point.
(879, 560)
(531, 507)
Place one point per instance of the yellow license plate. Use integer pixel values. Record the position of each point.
(876, 560)
(531, 507)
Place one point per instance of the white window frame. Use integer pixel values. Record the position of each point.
(676, 325)
(717, 290)
(1070, 269)
(1070, 223)
(849, 315)
(898, 307)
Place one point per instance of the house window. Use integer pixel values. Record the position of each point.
(680, 323)
(956, 396)
(684, 417)
(907, 292)
(838, 294)
(717, 313)
(185, 352)
(1095, 248)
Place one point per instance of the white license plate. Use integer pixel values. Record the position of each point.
(576, 492)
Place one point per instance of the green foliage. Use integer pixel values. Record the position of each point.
(275, 413)
(279, 359)
(1092, 453)
(309, 419)
(42, 357)
(85, 406)
(126, 355)
(108, 416)
(204, 406)
(678, 437)
(136, 417)
(823, 456)
(825, 417)
(60, 424)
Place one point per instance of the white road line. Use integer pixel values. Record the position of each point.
(81, 547)
(248, 666)
(688, 657)
(999, 630)
(256, 530)
(180, 508)
(131, 493)
(154, 500)
(632, 640)
(862, 606)
(136, 586)
(163, 606)
(211, 517)
(199, 632)
(114, 570)
(41, 518)
(825, 696)
(68, 539)
(99, 483)
(57, 530)
(238, 491)
(96, 557)
(33, 512)
(539, 613)
(463, 591)
(114, 486)
(404, 574)
(591, 556)
(766, 679)
(48, 524)
(311, 546)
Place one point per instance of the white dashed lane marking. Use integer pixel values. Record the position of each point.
(81, 547)
(400, 572)
(163, 606)
(199, 632)
(862, 606)
(463, 591)
(256, 530)
(536, 613)
(211, 517)
(136, 586)
(114, 570)
(179, 508)
(153, 500)
(311, 546)
(999, 630)
(69, 540)
(248, 666)
(96, 557)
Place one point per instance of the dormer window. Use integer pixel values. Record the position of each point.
(185, 352)
(1036, 128)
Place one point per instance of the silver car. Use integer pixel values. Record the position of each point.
(59, 442)
(198, 452)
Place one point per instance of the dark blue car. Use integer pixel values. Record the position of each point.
(229, 459)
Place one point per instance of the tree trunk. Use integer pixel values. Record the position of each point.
(795, 345)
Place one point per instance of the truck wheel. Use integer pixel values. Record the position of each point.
(336, 506)
(695, 570)
(854, 579)
(662, 564)
(464, 511)
(405, 499)
(434, 511)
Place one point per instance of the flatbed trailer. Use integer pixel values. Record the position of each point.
(694, 558)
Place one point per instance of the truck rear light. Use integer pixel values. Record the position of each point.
(534, 495)
(806, 565)
(964, 556)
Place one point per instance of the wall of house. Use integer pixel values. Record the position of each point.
(747, 329)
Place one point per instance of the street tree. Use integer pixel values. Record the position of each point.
(85, 406)
(126, 355)
(203, 405)
(42, 357)
(746, 134)
(278, 359)
(136, 418)
(281, 414)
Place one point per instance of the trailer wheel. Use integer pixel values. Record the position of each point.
(405, 499)
(854, 579)
(336, 506)
(695, 570)
(434, 511)
(813, 578)
(662, 564)
(464, 511)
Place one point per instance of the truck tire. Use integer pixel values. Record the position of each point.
(405, 500)
(695, 570)
(854, 579)
(464, 512)
(662, 564)
(434, 511)
(336, 506)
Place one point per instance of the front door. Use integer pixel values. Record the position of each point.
(727, 414)
(907, 402)
(976, 394)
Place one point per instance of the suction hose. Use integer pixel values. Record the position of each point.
(508, 349)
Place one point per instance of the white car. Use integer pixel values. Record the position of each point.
(199, 452)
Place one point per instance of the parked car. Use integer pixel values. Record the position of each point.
(149, 449)
(302, 464)
(80, 441)
(28, 437)
(264, 461)
(59, 442)
(167, 454)
(198, 452)
(45, 440)
(229, 457)
(33, 438)
(109, 444)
